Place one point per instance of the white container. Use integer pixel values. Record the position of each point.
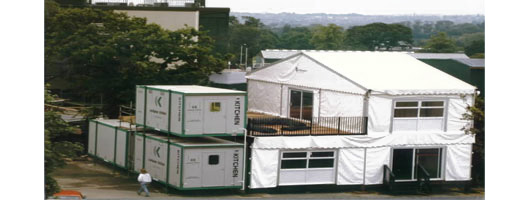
(190, 110)
(107, 140)
(190, 163)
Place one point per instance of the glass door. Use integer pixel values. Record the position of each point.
(301, 104)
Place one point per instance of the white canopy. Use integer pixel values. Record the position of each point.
(395, 73)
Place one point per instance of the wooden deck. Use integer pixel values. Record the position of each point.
(261, 125)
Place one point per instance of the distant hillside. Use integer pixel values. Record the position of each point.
(347, 20)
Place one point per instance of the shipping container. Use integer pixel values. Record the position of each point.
(191, 111)
(190, 163)
(109, 139)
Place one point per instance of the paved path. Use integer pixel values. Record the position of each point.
(99, 181)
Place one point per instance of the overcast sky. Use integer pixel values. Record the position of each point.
(369, 7)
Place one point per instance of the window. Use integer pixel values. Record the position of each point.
(213, 159)
(307, 167)
(418, 115)
(215, 106)
(405, 162)
(304, 160)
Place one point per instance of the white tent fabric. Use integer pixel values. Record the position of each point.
(458, 159)
(391, 72)
(358, 166)
(362, 141)
(264, 98)
(375, 159)
(301, 70)
(264, 168)
(350, 166)
(350, 105)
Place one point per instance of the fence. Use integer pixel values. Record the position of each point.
(276, 126)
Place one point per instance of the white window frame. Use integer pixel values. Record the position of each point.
(441, 166)
(419, 107)
(307, 169)
(308, 157)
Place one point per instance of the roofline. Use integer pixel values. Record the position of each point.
(161, 8)
(301, 53)
(339, 74)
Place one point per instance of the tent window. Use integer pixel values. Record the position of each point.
(405, 162)
(418, 115)
(213, 159)
(303, 160)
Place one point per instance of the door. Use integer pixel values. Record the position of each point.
(214, 116)
(213, 169)
(301, 104)
(402, 163)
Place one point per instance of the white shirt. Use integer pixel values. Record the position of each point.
(144, 178)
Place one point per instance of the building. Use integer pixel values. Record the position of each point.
(177, 14)
(470, 70)
(391, 113)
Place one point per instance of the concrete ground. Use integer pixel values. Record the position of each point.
(97, 180)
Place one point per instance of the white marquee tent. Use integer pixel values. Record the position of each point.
(353, 83)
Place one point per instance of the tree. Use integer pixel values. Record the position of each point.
(440, 43)
(328, 37)
(56, 145)
(105, 54)
(251, 34)
(475, 49)
(295, 38)
(378, 36)
(476, 113)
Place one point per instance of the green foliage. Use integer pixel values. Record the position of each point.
(328, 37)
(377, 36)
(440, 43)
(422, 31)
(56, 146)
(295, 38)
(251, 34)
(105, 54)
(476, 47)
(476, 113)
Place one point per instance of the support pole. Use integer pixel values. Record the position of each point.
(244, 158)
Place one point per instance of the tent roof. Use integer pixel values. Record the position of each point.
(278, 53)
(438, 55)
(194, 89)
(473, 62)
(390, 72)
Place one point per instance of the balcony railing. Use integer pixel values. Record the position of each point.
(424, 179)
(389, 179)
(276, 126)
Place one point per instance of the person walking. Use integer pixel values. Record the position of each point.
(144, 178)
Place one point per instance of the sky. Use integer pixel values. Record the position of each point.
(367, 7)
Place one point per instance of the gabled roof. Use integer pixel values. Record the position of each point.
(438, 55)
(278, 53)
(473, 62)
(389, 72)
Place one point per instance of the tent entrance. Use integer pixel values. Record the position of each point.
(301, 104)
(405, 162)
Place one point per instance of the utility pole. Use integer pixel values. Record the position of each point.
(246, 56)
(241, 56)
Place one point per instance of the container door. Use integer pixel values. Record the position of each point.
(213, 169)
(214, 116)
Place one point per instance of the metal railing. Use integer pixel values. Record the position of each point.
(424, 179)
(277, 126)
(389, 179)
